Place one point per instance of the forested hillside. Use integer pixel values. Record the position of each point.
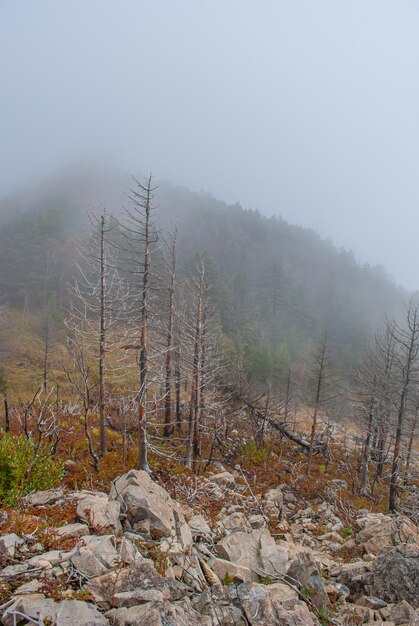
(277, 287)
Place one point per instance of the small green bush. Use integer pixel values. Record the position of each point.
(250, 453)
(16, 454)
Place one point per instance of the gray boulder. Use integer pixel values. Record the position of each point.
(305, 570)
(100, 513)
(9, 543)
(395, 574)
(256, 550)
(379, 531)
(142, 499)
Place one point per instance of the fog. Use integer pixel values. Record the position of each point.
(309, 110)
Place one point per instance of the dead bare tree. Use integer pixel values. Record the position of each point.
(407, 346)
(98, 306)
(81, 374)
(139, 236)
(320, 381)
(168, 428)
(202, 369)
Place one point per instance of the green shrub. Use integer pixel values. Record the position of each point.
(16, 454)
(250, 453)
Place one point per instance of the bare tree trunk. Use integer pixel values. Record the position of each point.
(177, 388)
(366, 452)
(6, 415)
(321, 365)
(142, 400)
(409, 341)
(410, 448)
(195, 403)
(102, 338)
(46, 351)
(169, 346)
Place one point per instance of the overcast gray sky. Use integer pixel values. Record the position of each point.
(304, 108)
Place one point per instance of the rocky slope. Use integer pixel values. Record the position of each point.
(136, 556)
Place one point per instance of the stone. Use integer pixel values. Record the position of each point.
(403, 613)
(234, 522)
(88, 564)
(104, 548)
(54, 557)
(257, 521)
(256, 550)
(100, 513)
(143, 499)
(371, 602)
(77, 613)
(142, 575)
(155, 614)
(379, 531)
(274, 499)
(226, 569)
(395, 574)
(305, 570)
(224, 479)
(44, 498)
(72, 530)
(9, 544)
(136, 597)
(65, 613)
(199, 526)
(32, 605)
(33, 586)
(217, 610)
(273, 604)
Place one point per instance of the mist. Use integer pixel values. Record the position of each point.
(300, 109)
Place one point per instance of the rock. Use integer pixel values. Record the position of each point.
(371, 602)
(354, 614)
(9, 543)
(355, 576)
(305, 570)
(155, 614)
(54, 557)
(44, 498)
(395, 574)
(224, 479)
(143, 499)
(216, 609)
(226, 569)
(257, 521)
(100, 513)
(136, 597)
(256, 550)
(403, 613)
(273, 604)
(274, 558)
(72, 530)
(273, 502)
(142, 575)
(66, 613)
(381, 531)
(32, 605)
(199, 526)
(96, 556)
(33, 586)
(77, 613)
(234, 522)
(88, 564)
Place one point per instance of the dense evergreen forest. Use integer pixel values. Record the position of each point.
(137, 311)
(276, 287)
